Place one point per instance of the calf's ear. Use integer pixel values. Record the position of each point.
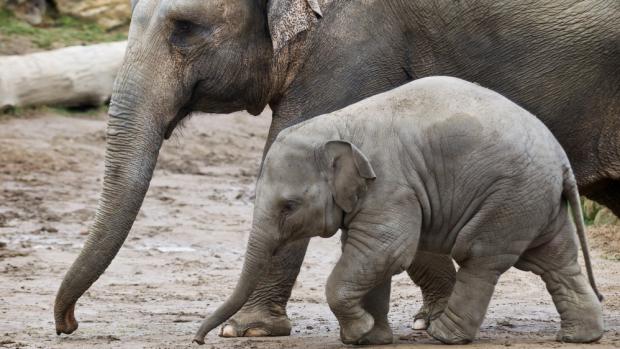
(347, 170)
(288, 18)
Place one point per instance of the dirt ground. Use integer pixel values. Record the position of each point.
(185, 251)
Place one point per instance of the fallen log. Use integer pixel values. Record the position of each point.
(72, 76)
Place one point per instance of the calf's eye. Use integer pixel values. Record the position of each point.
(289, 206)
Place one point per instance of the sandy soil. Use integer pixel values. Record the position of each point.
(185, 251)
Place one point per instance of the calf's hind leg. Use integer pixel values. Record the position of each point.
(485, 248)
(578, 305)
(435, 275)
(468, 303)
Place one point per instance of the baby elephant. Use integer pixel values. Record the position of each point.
(438, 165)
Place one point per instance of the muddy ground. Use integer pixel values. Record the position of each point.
(183, 256)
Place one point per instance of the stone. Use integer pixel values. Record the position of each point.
(590, 209)
(31, 11)
(606, 217)
(109, 14)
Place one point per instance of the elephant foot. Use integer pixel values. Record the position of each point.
(66, 323)
(429, 312)
(379, 335)
(446, 331)
(580, 333)
(354, 331)
(581, 337)
(256, 323)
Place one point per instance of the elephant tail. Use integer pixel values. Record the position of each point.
(571, 193)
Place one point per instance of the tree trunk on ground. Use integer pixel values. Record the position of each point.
(72, 76)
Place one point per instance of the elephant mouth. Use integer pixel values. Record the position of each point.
(181, 115)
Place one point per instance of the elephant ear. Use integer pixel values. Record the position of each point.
(288, 18)
(347, 170)
(133, 4)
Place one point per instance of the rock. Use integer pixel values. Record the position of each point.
(606, 217)
(109, 14)
(590, 209)
(31, 11)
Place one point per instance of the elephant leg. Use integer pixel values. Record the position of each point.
(467, 306)
(435, 274)
(377, 304)
(265, 312)
(358, 292)
(576, 302)
(481, 262)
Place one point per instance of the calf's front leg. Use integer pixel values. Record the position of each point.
(375, 249)
(377, 303)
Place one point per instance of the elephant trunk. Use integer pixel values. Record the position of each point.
(133, 143)
(260, 249)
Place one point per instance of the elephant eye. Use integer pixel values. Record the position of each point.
(186, 33)
(183, 27)
(289, 206)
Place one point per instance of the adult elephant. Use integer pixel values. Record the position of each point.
(560, 60)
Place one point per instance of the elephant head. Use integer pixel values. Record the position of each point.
(214, 56)
(303, 190)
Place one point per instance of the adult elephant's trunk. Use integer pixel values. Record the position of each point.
(261, 248)
(133, 143)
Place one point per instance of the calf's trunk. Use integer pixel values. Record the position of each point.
(257, 258)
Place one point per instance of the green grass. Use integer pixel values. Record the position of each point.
(63, 30)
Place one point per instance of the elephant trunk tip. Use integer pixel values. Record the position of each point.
(65, 321)
(198, 340)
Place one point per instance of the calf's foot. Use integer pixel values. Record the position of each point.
(428, 312)
(379, 335)
(353, 331)
(447, 331)
(580, 334)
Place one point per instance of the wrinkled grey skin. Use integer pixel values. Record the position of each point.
(558, 59)
(440, 165)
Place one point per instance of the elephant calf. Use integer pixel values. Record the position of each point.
(439, 165)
